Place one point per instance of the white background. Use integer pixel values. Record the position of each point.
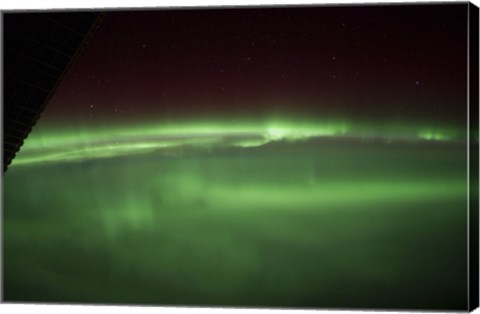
(56, 4)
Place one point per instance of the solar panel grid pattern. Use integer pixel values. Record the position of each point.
(35, 59)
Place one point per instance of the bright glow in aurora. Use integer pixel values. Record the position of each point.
(104, 142)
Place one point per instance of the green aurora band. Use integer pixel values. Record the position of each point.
(57, 145)
(281, 212)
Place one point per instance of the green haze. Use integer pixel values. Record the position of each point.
(329, 221)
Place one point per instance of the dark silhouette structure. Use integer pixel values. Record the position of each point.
(39, 47)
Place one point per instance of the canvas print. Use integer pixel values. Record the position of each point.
(284, 157)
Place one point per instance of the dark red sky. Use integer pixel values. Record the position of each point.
(363, 62)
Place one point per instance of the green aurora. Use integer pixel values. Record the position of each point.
(64, 145)
(289, 214)
(295, 157)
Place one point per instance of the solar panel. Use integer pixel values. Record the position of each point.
(38, 49)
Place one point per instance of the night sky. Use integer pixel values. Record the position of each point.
(361, 63)
(307, 157)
